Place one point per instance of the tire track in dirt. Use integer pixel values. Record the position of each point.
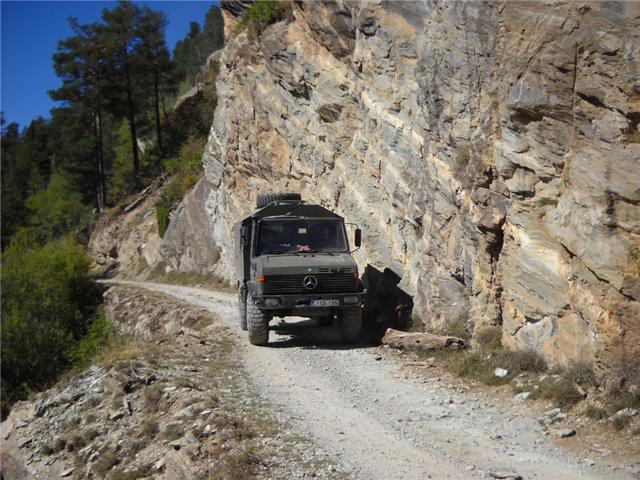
(379, 425)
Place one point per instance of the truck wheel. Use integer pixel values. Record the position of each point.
(242, 306)
(257, 324)
(265, 199)
(351, 324)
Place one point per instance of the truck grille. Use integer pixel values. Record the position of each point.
(327, 283)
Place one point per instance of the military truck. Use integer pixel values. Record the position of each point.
(294, 259)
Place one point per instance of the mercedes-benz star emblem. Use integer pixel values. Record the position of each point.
(310, 282)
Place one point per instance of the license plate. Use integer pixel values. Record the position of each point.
(325, 303)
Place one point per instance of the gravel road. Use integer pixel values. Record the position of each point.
(355, 404)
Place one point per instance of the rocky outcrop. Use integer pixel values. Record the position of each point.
(489, 151)
(188, 244)
(127, 243)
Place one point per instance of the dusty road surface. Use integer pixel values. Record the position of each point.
(379, 425)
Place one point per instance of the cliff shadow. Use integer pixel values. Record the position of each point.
(386, 304)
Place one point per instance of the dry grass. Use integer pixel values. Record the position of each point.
(191, 279)
(595, 413)
(620, 422)
(149, 429)
(172, 432)
(123, 349)
(135, 474)
(241, 463)
(152, 396)
(561, 392)
(626, 400)
(457, 328)
(580, 373)
(234, 427)
(107, 460)
(184, 382)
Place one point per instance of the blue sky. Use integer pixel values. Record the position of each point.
(30, 32)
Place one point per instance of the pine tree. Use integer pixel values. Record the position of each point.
(79, 61)
(153, 52)
(120, 36)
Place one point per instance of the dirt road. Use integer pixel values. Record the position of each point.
(379, 425)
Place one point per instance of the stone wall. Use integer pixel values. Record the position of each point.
(488, 150)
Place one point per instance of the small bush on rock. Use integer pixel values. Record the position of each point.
(262, 14)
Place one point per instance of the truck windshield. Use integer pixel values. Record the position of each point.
(289, 236)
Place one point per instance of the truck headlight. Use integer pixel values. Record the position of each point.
(350, 300)
(271, 302)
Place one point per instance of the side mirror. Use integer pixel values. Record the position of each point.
(358, 239)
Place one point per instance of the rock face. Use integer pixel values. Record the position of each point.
(491, 150)
(127, 244)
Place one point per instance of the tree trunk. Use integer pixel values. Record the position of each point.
(164, 111)
(103, 169)
(132, 121)
(98, 161)
(156, 88)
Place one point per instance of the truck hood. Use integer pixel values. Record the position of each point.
(302, 263)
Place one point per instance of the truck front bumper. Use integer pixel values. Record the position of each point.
(302, 302)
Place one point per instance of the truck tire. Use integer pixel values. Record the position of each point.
(265, 199)
(257, 324)
(242, 307)
(351, 324)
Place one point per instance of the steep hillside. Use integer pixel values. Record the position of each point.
(490, 151)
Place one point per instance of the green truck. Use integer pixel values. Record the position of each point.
(294, 259)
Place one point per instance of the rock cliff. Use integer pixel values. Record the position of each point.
(491, 151)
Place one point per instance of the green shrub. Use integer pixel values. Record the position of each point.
(561, 391)
(99, 337)
(124, 181)
(186, 170)
(47, 301)
(162, 217)
(481, 365)
(189, 159)
(262, 14)
(520, 361)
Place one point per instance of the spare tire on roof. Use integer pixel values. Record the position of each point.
(265, 199)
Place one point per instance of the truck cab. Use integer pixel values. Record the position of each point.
(294, 259)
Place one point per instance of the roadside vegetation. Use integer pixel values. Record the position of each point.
(191, 279)
(599, 397)
(113, 132)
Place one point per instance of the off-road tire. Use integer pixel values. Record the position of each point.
(351, 324)
(257, 324)
(265, 199)
(242, 307)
